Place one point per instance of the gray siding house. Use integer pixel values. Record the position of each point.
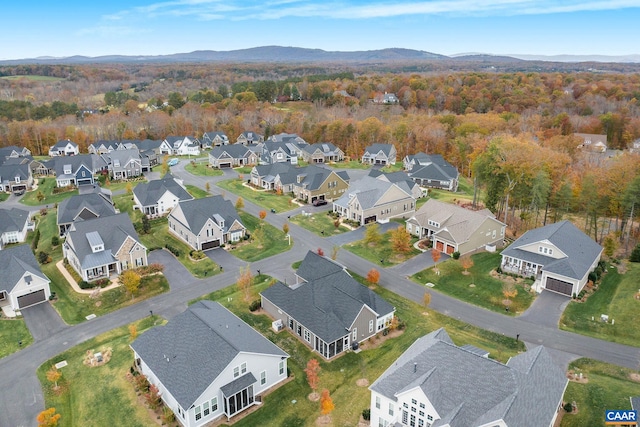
(379, 154)
(157, 197)
(327, 309)
(82, 207)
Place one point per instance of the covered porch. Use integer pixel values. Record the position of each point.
(332, 349)
(521, 267)
(238, 395)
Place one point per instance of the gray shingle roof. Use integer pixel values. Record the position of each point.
(199, 344)
(434, 167)
(93, 162)
(9, 171)
(14, 262)
(376, 148)
(315, 266)
(329, 304)
(70, 209)
(368, 190)
(198, 211)
(580, 249)
(470, 390)
(13, 219)
(236, 151)
(149, 193)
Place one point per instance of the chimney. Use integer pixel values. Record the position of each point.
(415, 367)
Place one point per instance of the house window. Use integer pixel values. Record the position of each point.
(422, 405)
(290, 323)
(421, 413)
(370, 326)
(540, 249)
(377, 402)
(429, 417)
(243, 368)
(405, 417)
(420, 422)
(307, 335)
(493, 235)
(382, 422)
(236, 372)
(550, 251)
(198, 412)
(281, 367)
(355, 334)
(263, 377)
(391, 409)
(413, 421)
(139, 262)
(205, 408)
(214, 404)
(414, 402)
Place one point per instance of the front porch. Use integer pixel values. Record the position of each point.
(521, 268)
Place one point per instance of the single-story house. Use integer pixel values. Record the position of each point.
(82, 207)
(327, 309)
(431, 170)
(214, 139)
(15, 177)
(64, 148)
(208, 364)
(559, 255)
(436, 383)
(453, 228)
(380, 154)
(249, 137)
(124, 164)
(23, 284)
(231, 156)
(99, 247)
(156, 198)
(322, 152)
(14, 225)
(206, 223)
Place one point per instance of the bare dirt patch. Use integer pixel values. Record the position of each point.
(379, 338)
(94, 359)
(634, 377)
(323, 420)
(362, 382)
(314, 397)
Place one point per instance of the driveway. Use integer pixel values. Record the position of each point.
(546, 310)
(177, 275)
(225, 259)
(417, 264)
(43, 321)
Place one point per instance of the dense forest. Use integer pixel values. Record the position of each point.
(513, 133)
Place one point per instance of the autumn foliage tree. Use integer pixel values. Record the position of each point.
(131, 281)
(53, 375)
(240, 204)
(320, 252)
(372, 234)
(262, 214)
(244, 282)
(373, 276)
(435, 255)
(48, 418)
(285, 228)
(400, 240)
(466, 262)
(133, 331)
(326, 403)
(313, 373)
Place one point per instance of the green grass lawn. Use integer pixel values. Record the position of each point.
(4, 196)
(318, 223)
(197, 192)
(608, 387)
(615, 297)
(203, 169)
(244, 170)
(11, 332)
(45, 187)
(267, 200)
(487, 291)
(101, 395)
(381, 251)
(275, 241)
(393, 168)
(159, 236)
(351, 164)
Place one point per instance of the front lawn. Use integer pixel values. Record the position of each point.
(273, 242)
(4, 196)
(382, 251)
(197, 192)
(244, 170)
(202, 169)
(617, 296)
(13, 331)
(45, 190)
(392, 168)
(464, 193)
(319, 223)
(607, 387)
(100, 395)
(267, 199)
(351, 164)
(487, 290)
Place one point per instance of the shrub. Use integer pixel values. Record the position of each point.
(196, 254)
(499, 270)
(85, 285)
(55, 241)
(635, 254)
(174, 251)
(43, 257)
(455, 255)
(366, 414)
(34, 242)
(255, 305)
(568, 407)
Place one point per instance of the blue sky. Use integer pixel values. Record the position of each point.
(147, 27)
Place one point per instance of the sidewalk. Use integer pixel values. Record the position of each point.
(60, 264)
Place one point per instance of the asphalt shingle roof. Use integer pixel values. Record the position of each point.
(149, 193)
(198, 211)
(376, 148)
(13, 219)
(69, 209)
(198, 344)
(14, 262)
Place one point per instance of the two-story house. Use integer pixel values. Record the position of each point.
(249, 138)
(380, 154)
(124, 164)
(15, 177)
(322, 152)
(78, 170)
(231, 156)
(64, 148)
(181, 146)
(81, 207)
(431, 170)
(214, 139)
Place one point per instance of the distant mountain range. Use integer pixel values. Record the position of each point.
(281, 54)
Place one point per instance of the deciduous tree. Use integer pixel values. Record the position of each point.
(53, 375)
(313, 373)
(426, 299)
(133, 331)
(400, 240)
(372, 234)
(239, 203)
(320, 252)
(435, 256)
(334, 252)
(373, 276)
(131, 281)
(326, 403)
(285, 228)
(48, 418)
(244, 282)
(262, 214)
(466, 262)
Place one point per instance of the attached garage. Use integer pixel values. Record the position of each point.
(224, 165)
(559, 286)
(33, 298)
(439, 246)
(450, 249)
(370, 219)
(210, 245)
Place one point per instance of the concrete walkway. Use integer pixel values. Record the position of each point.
(115, 281)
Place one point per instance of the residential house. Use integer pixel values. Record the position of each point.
(181, 146)
(592, 142)
(158, 197)
(206, 223)
(97, 248)
(214, 139)
(64, 147)
(378, 198)
(322, 152)
(453, 228)
(287, 137)
(386, 98)
(231, 156)
(432, 171)
(124, 164)
(14, 225)
(308, 183)
(249, 137)
(280, 152)
(635, 146)
(23, 284)
(559, 256)
(327, 309)
(380, 154)
(104, 147)
(15, 177)
(78, 170)
(82, 207)
(208, 364)
(13, 151)
(436, 383)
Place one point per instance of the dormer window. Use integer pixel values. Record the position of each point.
(95, 241)
(433, 223)
(17, 179)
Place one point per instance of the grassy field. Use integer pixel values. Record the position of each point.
(487, 291)
(11, 332)
(268, 200)
(393, 168)
(275, 241)
(318, 223)
(464, 193)
(382, 251)
(102, 395)
(615, 296)
(607, 387)
(45, 187)
(202, 169)
(33, 78)
(351, 164)
(197, 192)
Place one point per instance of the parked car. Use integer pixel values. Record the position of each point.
(173, 162)
(319, 202)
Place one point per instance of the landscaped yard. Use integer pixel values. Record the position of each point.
(45, 187)
(99, 395)
(351, 164)
(606, 387)
(319, 223)
(464, 194)
(196, 192)
(13, 331)
(267, 199)
(273, 242)
(202, 169)
(487, 290)
(382, 251)
(618, 297)
(244, 170)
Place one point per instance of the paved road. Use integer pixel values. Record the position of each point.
(20, 406)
